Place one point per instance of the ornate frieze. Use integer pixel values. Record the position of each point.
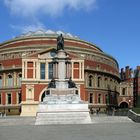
(100, 59)
(15, 55)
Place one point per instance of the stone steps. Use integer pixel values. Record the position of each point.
(63, 118)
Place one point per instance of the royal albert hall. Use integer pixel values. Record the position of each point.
(26, 69)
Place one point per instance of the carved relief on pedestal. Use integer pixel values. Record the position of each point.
(30, 92)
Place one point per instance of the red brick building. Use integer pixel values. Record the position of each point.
(137, 87)
(126, 88)
(26, 70)
(129, 87)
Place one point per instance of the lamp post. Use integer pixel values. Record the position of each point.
(129, 103)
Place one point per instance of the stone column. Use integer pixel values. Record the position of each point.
(61, 65)
(4, 79)
(80, 70)
(23, 70)
(25, 66)
(72, 70)
(66, 65)
(57, 70)
(34, 68)
(83, 70)
(38, 70)
(61, 70)
(96, 80)
(54, 70)
(69, 72)
(61, 82)
(15, 79)
(46, 70)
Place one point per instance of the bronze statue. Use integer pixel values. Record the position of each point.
(52, 84)
(71, 84)
(60, 42)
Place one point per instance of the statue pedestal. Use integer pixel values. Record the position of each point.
(63, 84)
(63, 114)
(63, 108)
(62, 105)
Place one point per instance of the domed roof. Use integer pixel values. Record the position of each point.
(47, 33)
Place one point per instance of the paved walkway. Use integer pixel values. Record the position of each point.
(110, 119)
(8, 121)
(110, 128)
(102, 128)
(16, 121)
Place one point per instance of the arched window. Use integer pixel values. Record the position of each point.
(91, 98)
(124, 105)
(90, 82)
(99, 82)
(98, 66)
(1, 81)
(19, 97)
(99, 98)
(9, 98)
(9, 80)
(105, 84)
(106, 99)
(123, 91)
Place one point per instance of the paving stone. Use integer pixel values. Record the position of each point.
(126, 130)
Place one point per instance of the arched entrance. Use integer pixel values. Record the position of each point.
(124, 105)
(43, 95)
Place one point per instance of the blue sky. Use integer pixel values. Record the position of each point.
(113, 25)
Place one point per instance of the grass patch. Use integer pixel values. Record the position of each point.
(136, 110)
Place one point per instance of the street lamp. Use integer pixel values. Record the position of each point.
(129, 103)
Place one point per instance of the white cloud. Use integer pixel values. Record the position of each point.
(48, 7)
(27, 28)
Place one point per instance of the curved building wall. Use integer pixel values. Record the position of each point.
(101, 71)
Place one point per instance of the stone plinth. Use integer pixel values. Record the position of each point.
(62, 108)
(63, 114)
(29, 108)
(62, 105)
(62, 84)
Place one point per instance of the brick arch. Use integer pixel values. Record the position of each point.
(19, 74)
(124, 103)
(9, 75)
(41, 94)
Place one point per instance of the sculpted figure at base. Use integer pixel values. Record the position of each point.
(60, 42)
(52, 84)
(71, 84)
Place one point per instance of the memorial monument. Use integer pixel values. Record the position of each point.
(62, 103)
